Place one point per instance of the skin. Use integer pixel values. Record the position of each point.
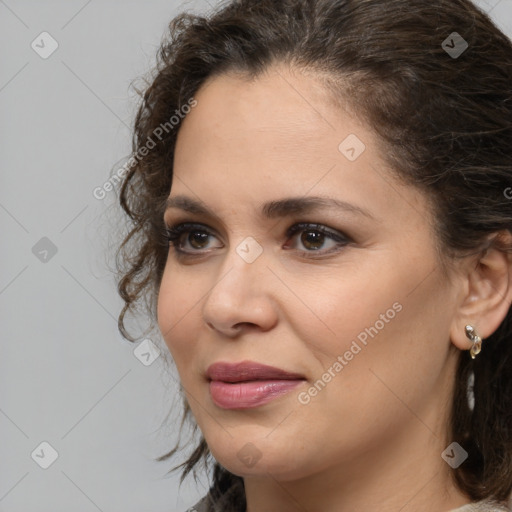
(372, 438)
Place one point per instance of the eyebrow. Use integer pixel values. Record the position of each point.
(272, 209)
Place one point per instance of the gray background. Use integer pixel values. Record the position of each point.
(67, 376)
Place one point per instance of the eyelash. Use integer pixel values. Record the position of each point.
(172, 234)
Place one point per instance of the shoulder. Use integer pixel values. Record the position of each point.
(229, 501)
(483, 506)
(203, 505)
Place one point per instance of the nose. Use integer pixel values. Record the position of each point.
(241, 298)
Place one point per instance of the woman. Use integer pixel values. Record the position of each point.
(330, 269)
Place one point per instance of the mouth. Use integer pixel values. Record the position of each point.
(249, 384)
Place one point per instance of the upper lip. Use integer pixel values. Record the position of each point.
(248, 371)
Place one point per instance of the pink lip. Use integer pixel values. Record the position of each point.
(248, 384)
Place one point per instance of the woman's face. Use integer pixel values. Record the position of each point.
(359, 315)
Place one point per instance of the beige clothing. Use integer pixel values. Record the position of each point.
(482, 506)
(204, 505)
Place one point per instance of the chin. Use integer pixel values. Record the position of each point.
(251, 455)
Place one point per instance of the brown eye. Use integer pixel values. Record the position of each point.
(195, 235)
(314, 238)
(198, 239)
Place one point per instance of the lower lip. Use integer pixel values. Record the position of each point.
(244, 395)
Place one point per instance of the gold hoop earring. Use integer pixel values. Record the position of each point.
(475, 339)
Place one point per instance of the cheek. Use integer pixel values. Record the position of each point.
(403, 363)
(354, 307)
(177, 316)
(384, 333)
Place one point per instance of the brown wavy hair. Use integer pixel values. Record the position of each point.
(445, 125)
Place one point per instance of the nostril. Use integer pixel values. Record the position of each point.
(243, 324)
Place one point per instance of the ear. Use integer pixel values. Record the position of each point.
(487, 291)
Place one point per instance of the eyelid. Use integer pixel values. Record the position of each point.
(184, 219)
(315, 226)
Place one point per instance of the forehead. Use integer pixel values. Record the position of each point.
(278, 119)
(250, 141)
(265, 99)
